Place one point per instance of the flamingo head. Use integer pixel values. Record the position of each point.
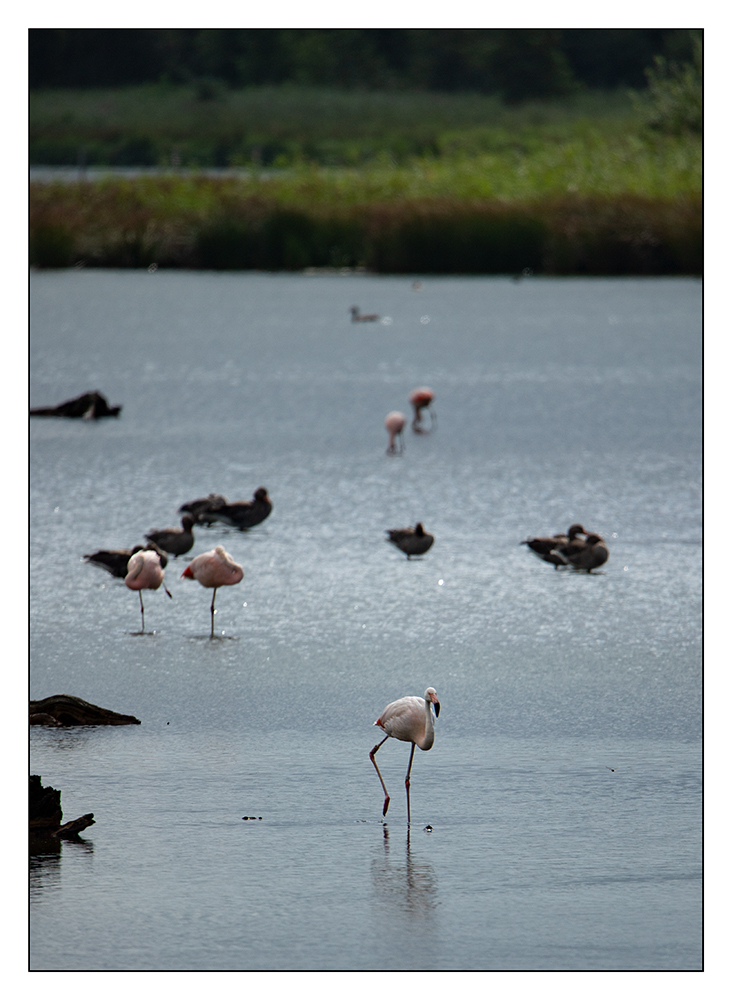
(430, 695)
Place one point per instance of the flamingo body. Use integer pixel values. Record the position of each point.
(410, 720)
(214, 569)
(421, 399)
(145, 572)
(394, 424)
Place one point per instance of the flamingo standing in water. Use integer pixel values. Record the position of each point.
(394, 424)
(144, 572)
(421, 399)
(408, 719)
(214, 569)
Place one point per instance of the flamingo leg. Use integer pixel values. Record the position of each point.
(407, 784)
(372, 753)
(142, 610)
(213, 611)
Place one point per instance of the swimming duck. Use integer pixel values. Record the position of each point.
(115, 560)
(412, 541)
(245, 513)
(176, 541)
(548, 548)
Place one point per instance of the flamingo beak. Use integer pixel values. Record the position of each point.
(436, 704)
(187, 572)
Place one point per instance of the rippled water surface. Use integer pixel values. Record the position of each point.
(556, 821)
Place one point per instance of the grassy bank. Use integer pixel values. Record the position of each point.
(209, 125)
(204, 223)
(423, 183)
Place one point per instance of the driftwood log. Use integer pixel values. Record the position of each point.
(89, 406)
(67, 710)
(46, 815)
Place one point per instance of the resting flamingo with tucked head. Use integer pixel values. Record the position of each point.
(144, 572)
(410, 720)
(214, 569)
(394, 424)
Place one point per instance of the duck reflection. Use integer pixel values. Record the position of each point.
(402, 879)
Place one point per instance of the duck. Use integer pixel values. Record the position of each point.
(547, 548)
(359, 317)
(176, 541)
(244, 513)
(115, 560)
(589, 555)
(201, 508)
(412, 541)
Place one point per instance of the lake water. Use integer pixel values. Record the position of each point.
(556, 822)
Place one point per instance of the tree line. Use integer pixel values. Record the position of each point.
(514, 64)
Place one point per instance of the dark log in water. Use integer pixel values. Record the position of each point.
(45, 814)
(89, 406)
(67, 710)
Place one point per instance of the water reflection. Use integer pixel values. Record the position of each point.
(401, 879)
(45, 862)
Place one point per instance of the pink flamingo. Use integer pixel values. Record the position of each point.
(144, 572)
(214, 569)
(394, 424)
(421, 399)
(408, 719)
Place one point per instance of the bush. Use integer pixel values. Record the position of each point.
(674, 102)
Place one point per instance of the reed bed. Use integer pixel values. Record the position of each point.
(226, 224)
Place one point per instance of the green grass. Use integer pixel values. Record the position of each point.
(396, 182)
(282, 126)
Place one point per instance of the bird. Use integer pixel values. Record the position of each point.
(548, 548)
(412, 541)
(394, 424)
(145, 572)
(200, 509)
(359, 317)
(176, 541)
(115, 560)
(214, 569)
(410, 720)
(588, 556)
(421, 399)
(243, 513)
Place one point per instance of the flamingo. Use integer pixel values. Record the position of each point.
(214, 569)
(145, 572)
(115, 560)
(410, 720)
(176, 541)
(412, 541)
(359, 317)
(394, 424)
(548, 548)
(587, 555)
(421, 399)
(245, 513)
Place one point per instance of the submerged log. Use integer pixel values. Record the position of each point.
(45, 814)
(89, 406)
(67, 710)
